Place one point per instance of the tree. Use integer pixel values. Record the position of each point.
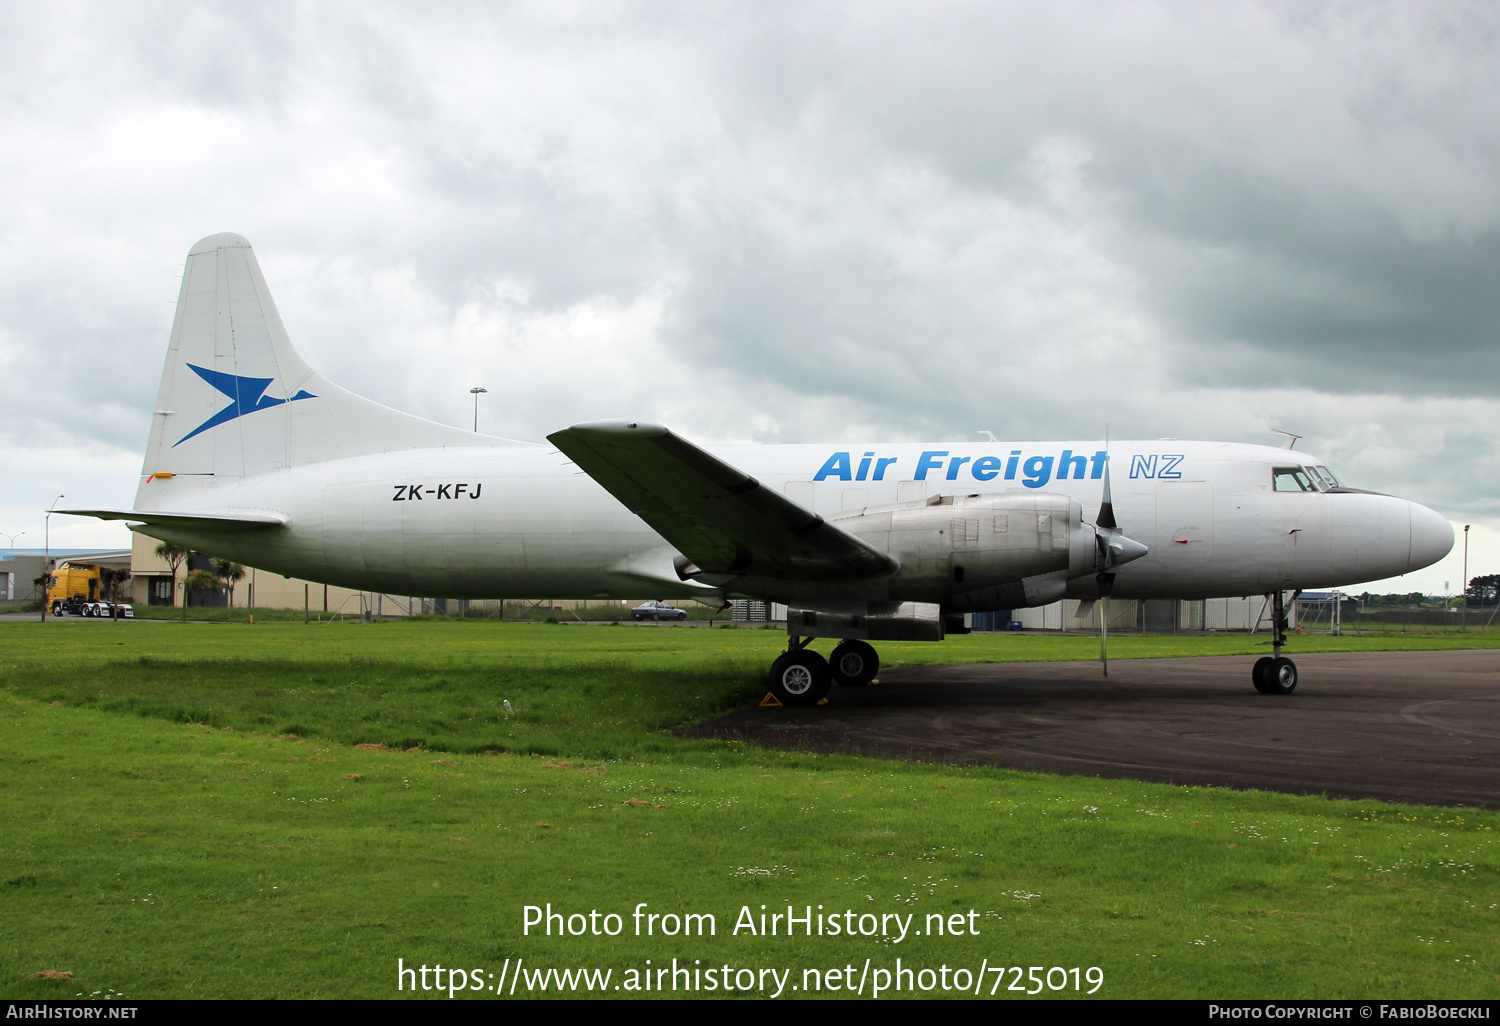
(111, 580)
(231, 573)
(199, 580)
(174, 556)
(1483, 591)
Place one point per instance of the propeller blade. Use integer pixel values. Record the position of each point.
(1106, 518)
(1107, 530)
(1106, 584)
(1104, 632)
(1114, 549)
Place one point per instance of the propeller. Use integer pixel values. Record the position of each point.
(1114, 550)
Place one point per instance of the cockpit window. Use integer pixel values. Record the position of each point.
(1327, 476)
(1291, 479)
(1317, 481)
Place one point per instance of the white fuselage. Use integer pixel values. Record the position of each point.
(492, 521)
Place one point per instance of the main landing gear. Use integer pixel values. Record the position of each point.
(801, 676)
(854, 663)
(1276, 674)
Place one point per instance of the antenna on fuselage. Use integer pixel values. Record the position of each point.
(1291, 439)
(990, 435)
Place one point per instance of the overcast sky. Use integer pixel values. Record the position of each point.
(776, 222)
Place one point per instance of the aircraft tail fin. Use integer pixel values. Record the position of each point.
(236, 399)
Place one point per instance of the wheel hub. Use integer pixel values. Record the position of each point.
(797, 680)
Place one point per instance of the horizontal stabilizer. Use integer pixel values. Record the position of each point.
(720, 518)
(210, 521)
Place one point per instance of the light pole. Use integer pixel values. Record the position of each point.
(476, 393)
(12, 537)
(47, 553)
(1465, 623)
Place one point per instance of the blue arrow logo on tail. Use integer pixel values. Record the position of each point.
(247, 395)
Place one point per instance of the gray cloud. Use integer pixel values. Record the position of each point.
(779, 222)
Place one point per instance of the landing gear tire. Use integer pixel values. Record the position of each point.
(854, 663)
(1281, 679)
(1260, 675)
(800, 678)
(1276, 677)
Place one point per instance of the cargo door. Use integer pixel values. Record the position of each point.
(854, 498)
(1184, 522)
(800, 492)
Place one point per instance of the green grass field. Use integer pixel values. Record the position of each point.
(209, 810)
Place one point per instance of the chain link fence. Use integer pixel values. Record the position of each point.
(1350, 616)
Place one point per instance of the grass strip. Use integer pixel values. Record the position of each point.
(168, 835)
(161, 860)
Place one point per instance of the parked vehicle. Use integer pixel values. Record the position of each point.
(105, 609)
(658, 611)
(73, 589)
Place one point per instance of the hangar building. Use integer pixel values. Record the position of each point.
(153, 585)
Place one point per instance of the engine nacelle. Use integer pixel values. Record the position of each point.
(978, 552)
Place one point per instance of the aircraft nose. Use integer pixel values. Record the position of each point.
(1431, 537)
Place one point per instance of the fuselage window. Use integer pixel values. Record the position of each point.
(1291, 479)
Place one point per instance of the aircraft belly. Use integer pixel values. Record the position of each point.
(549, 552)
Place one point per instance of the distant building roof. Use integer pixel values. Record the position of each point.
(115, 556)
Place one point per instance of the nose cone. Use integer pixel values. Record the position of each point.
(1431, 537)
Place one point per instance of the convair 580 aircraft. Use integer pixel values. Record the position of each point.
(255, 457)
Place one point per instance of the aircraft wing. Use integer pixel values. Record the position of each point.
(211, 521)
(721, 519)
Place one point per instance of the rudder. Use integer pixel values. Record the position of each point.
(236, 399)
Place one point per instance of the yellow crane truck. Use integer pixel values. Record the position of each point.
(75, 588)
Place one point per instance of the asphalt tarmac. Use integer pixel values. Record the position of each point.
(1417, 727)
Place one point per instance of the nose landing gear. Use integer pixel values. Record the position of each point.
(1276, 674)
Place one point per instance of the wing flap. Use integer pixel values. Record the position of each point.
(722, 519)
(210, 521)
